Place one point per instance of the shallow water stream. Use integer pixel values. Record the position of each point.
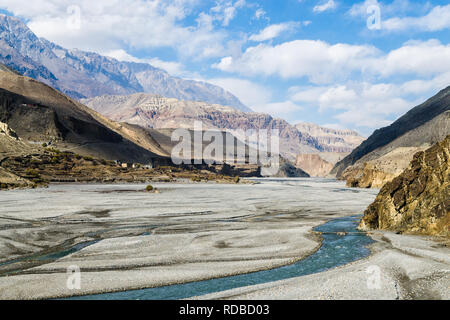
(121, 237)
(336, 250)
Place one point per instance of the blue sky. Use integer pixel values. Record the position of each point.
(319, 61)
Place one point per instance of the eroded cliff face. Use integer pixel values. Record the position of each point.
(314, 165)
(366, 176)
(377, 172)
(341, 141)
(418, 200)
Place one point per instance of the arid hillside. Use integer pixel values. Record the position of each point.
(388, 151)
(40, 114)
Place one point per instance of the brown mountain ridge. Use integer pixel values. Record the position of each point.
(388, 151)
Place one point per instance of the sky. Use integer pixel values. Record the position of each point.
(338, 63)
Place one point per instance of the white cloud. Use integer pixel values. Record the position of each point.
(308, 94)
(396, 7)
(248, 92)
(413, 58)
(259, 98)
(261, 14)
(362, 85)
(226, 11)
(426, 87)
(319, 61)
(437, 19)
(400, 15)
(329, 5)
(108, 25)
(324, 63)
(356, 104)
(366, 104)
(362, 119)
(365, 98)
(273, 31)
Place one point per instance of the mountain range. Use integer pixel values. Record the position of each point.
(81, 74)
(156, 112)
(337, 140)
(140, 94)
(34, 116)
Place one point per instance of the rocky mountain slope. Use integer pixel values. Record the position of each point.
(156, 112)
(418, 200)
(288, 170)
(389, 150)
(39, 114)
(33, 114)
(314, 165)
(341, 141)
(319, 164)
(82, 74)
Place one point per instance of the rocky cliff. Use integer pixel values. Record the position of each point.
(319, 164)
(7, 131)
(339, 141)
(418, 200)
(82, 74)
(314, 165)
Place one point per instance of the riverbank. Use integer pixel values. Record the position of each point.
(51, 166)
(186, 233)
(400, 267)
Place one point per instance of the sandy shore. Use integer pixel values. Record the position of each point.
(400, 267)
(185, 233)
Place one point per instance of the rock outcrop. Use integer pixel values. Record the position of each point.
(388, 151)
(7, 131)
(418, 200)
(367, 176)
